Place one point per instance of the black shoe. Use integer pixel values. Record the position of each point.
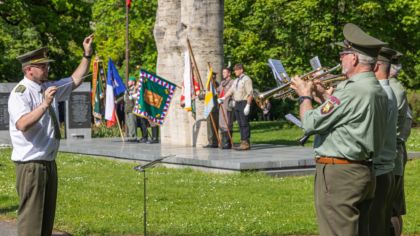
(227, 146)
(152, 141)
(132, 140)
(211, 146)
(143, 140)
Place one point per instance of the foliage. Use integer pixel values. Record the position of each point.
(102, 131)
(104, 197)
(414, 101)
(109, 24)
(27, 25)
(295, 31)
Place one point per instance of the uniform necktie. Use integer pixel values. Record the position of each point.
(57, 134)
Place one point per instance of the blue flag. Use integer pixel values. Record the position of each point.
(114, 79)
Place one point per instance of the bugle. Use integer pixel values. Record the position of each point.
(284, 91)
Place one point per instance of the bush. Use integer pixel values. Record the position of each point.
(102, 131)
(414, 100)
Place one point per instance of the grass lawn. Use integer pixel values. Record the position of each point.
(104, 197)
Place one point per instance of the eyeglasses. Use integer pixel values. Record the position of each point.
(42, 66)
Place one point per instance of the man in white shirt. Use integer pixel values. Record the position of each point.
(35, 135)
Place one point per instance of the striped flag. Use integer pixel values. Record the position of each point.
(114, 88)
(210, 93)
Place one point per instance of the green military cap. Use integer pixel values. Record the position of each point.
(396, 58)
(386, 54)
(132, 78)
(38, 56)
(359, 41)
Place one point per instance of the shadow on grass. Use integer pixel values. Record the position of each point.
(5, 210)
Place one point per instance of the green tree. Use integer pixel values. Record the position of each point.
(26, 25)
(295, 31)
(109, 24)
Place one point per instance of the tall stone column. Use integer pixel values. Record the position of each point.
(201, 21)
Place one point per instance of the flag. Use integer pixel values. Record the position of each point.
(128, 2)
(97, 111)
(114, 89)
(210, 93)
(96, 94)
(190, 86)
(154, 97)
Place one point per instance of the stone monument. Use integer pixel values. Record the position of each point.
(201, 21)
(5, 89)
(79, 113)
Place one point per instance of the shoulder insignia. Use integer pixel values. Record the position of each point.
(20, 88)
(329, 106)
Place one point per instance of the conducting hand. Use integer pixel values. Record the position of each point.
(246, 109)
(87, 45)
(49, 95)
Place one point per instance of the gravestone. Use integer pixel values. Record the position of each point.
(79, 113)
(5, 89)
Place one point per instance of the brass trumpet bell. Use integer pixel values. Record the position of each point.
(284, 91)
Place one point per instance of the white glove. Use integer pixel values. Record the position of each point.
(220, 100)
(247, 108)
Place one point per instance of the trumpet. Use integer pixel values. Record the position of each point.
(284, 91)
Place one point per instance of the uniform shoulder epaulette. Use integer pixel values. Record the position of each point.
(20, 88)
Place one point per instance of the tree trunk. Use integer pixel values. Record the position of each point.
(202, 22)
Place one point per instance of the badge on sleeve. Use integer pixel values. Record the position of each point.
(330, 105)
(20, 88)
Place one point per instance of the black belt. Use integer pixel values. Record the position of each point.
(35, 161)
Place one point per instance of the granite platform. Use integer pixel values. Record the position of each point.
(273, 159)
(279, 160)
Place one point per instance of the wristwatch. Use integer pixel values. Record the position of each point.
(87, 56)
(302, 98)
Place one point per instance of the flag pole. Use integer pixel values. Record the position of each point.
(127, 49)
(195, 67)
(216, 131)
(225, 119)
(119, 126)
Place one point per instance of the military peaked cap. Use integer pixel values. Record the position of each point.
(396, 58)
(386, 54)
(359, 41)
(38, 56)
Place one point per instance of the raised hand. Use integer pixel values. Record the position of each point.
(87, 45)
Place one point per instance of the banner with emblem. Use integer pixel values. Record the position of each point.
(154, 97)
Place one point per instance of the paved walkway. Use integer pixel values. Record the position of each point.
(8, 228)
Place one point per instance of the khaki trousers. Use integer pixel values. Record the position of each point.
(343, 194)
(36, 184)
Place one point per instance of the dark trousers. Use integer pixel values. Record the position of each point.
(211, 133)
(380, 211)
(243, 120)
(36, 184)
(343, 195)
(143, 127)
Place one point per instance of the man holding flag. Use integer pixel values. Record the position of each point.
(211, 110)
(242, 95)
